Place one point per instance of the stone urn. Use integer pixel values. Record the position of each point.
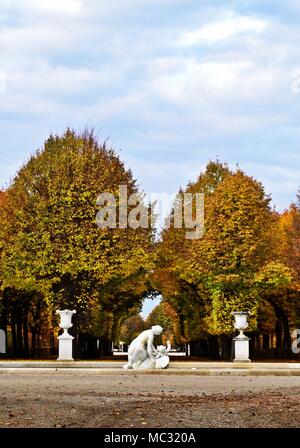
(66, 319)
(241, 322)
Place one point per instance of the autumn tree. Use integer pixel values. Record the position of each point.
(211, 277)
(289, 227)
(277, 305)
(280, 281)
(131, 328)
(52, 247)
(165, 316)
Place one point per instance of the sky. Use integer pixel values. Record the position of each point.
(170, 83)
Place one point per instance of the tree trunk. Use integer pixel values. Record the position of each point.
(266, 341)
(4, 316)
(253, 346)
(213, 347)
(13, 332)
(105, 347)
(225, 342)
(287, 341)
(278, 331)
(199, 348)
(38, 339)
(19, 332)
(33, 342)
(25, 331)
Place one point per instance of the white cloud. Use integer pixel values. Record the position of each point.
(196, 83)
(282, 182)
(24, 44)
(61, 6)
(2, 81)
(49, 81)
(163, 177)
(133, 69)
(223, 30)
(69, 6)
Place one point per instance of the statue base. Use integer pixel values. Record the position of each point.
(65, 347)
(241, 349)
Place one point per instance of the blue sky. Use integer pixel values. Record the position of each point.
(171, 83)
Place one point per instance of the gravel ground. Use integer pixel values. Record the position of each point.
(89, 399)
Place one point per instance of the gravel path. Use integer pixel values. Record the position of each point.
(90, 399)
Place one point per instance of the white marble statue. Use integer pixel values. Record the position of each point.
(143, 355)
(163, 350)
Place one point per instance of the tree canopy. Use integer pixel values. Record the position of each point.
(54, 255)
(224, 271)
(51, 245)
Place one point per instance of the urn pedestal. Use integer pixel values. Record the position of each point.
(2, 341)
(241, 342)
(241, 349)
(65, 340)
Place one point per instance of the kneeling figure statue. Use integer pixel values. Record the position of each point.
(143, 355)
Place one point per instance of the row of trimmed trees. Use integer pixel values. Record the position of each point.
(54, 256)
(248, 259)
